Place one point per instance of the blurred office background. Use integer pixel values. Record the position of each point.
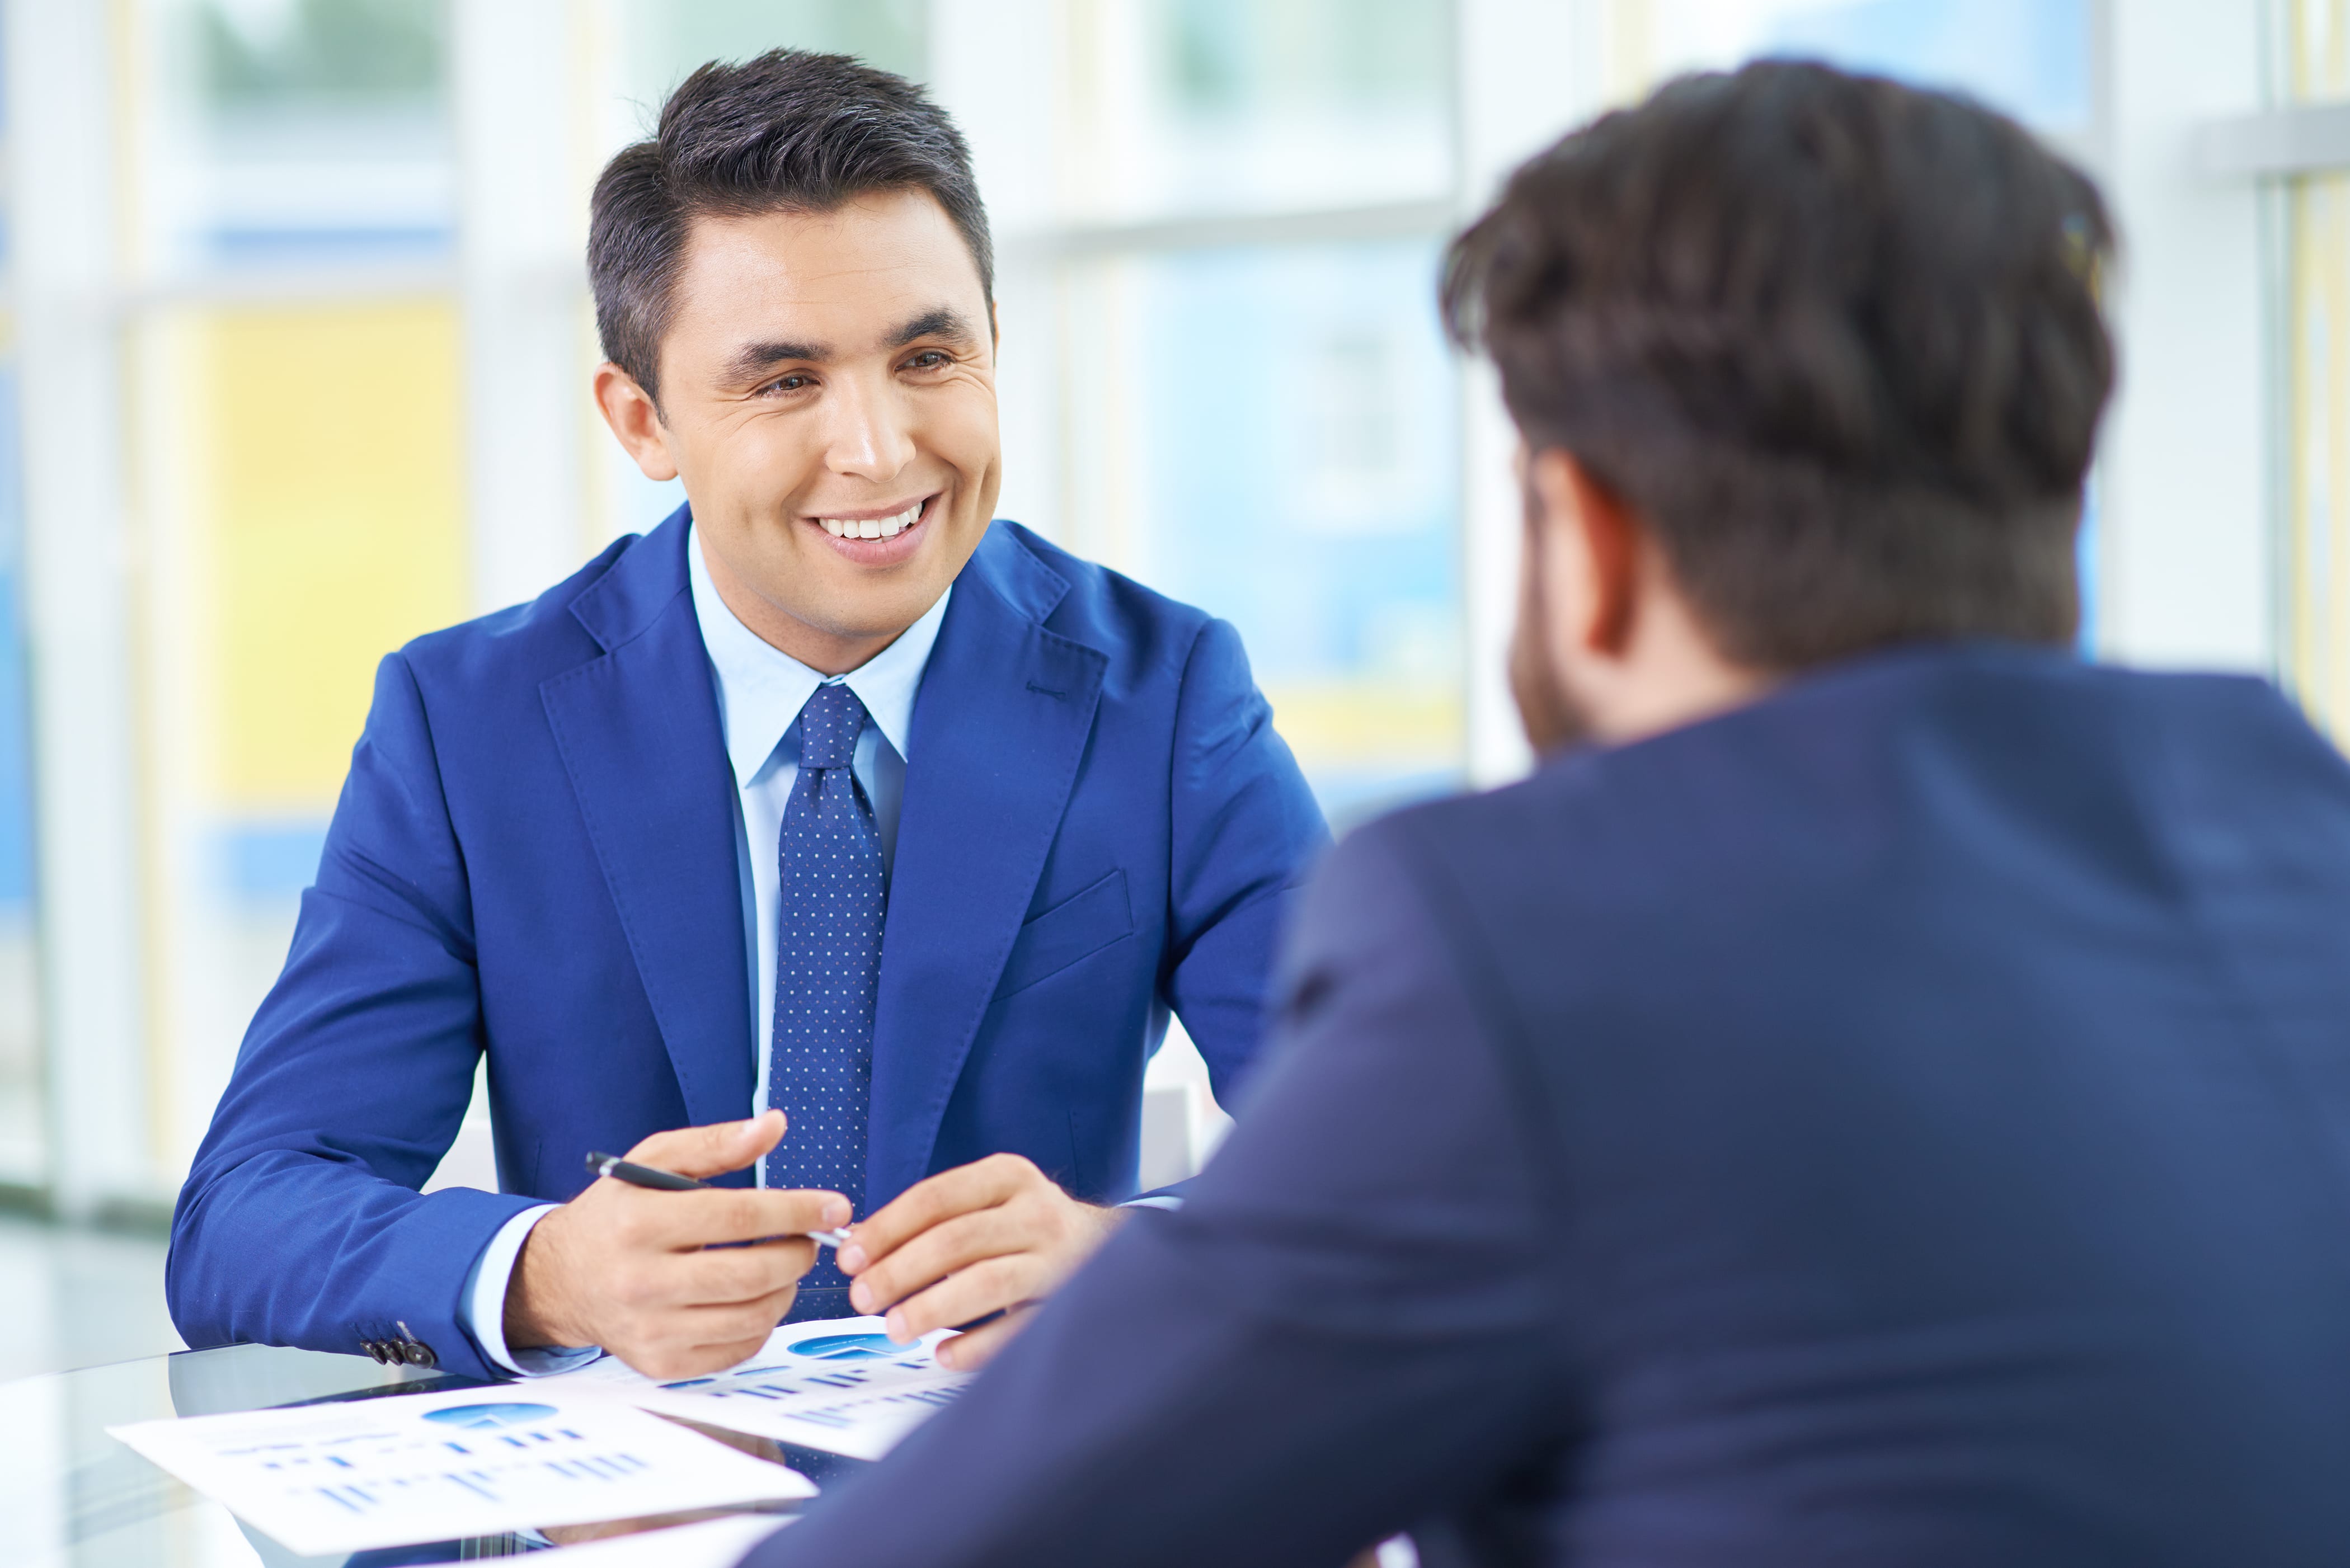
(293, 354)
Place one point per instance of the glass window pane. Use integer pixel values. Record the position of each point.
(308, 518)
(299, 132)
(1282, 432)
(23, 1143)
(2315, 640)
(2318, 49)
(662, 40)
(1185, 107)
(23, 1119)
(2029, 57)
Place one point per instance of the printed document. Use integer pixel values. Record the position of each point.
(837, 1383)
(401, 1469)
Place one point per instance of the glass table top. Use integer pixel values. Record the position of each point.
(72, 1496)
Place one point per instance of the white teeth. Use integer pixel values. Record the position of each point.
(873, 527)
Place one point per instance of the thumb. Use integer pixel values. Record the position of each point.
(712, 1151)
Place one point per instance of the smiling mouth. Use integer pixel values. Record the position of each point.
(875, 528)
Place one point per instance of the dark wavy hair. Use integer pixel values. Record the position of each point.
(788, 130)
(1834, 340)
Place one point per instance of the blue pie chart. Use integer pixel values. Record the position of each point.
(488, 1418)
(844, 1347)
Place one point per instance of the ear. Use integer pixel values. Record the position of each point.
(635, 420)
(1592, 562)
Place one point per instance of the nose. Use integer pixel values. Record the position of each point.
(870, 435)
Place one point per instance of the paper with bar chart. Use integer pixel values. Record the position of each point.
(398, 1470)
(839, 1384)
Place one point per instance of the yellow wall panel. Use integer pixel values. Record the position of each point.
(1343, 724)
(336, 528)
(2315, 651)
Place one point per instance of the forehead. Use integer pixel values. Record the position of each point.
(848, 276)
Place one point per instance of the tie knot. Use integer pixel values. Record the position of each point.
(830, 726)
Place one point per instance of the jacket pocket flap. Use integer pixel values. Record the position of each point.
(1077, 927)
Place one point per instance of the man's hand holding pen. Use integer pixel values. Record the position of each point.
(677, 1278)
(649, 1276)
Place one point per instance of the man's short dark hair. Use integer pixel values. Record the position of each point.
(1834, 340)
(789, 130)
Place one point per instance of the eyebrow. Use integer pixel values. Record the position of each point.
(940, 322)
(753, 358)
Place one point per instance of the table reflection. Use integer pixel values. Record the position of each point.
(72, 1496)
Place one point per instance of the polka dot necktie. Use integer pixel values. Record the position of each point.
(827, 970)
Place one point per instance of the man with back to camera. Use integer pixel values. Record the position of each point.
(1879, 1094)
(642, 840)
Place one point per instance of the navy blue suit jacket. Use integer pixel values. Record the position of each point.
(1904, 1121)
(534, 856)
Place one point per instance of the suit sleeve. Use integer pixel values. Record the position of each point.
(300, 1222)
(1348, 1327)
(1246, 832)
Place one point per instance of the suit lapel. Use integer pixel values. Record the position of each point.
(639, 733)
(999, 726)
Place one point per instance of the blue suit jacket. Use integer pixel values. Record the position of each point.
(534, 856)
(1906, 1121)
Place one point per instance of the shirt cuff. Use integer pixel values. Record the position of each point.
(1154, 1201)
(481, 1309)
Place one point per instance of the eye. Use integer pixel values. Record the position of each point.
(930, 360)
(792, 382)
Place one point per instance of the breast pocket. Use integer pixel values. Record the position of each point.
(1077, 927)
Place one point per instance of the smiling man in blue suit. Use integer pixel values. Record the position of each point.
(831, 841)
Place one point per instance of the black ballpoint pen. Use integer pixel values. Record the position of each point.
(619, 1170)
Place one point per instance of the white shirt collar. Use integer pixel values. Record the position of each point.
(762, 688)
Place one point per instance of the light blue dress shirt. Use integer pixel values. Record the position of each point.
(761, 691)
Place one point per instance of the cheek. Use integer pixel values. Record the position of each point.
(750, 467)
(962, 427)
(775, 459)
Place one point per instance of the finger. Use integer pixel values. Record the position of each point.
(644, 1293)
(979, 1185)
(726, 1276)
(1014, 1279)
(711, 1150)
(682, 1340)
(680, 1222)
(666, 1363)
(665, 1359)
(956, 1243)
(739, 1329)
(974, 1348)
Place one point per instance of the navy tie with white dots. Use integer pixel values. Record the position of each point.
(827, 971)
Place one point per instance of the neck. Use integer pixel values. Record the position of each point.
(1652, 709)
(1668, 677)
